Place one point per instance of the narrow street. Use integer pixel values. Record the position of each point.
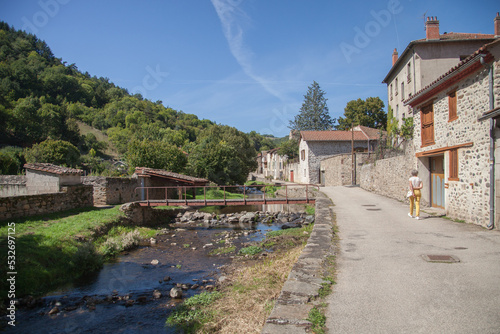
(384, 284)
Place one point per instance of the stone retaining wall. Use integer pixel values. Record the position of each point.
(70, 197)
(113, 190)
(338, 169)
(389, 177)
(292, 308)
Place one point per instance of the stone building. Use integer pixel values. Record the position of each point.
(317, 145)
(274, 165)
(45, 178)
(424, 60)
(455, 132)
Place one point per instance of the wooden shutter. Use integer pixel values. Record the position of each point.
(452, 106)
(427, 125)
(453, 165)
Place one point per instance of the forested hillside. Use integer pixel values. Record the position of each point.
(42, 98)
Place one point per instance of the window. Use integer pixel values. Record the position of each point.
(453, 165)
(391, 92)
(397, 111)
(396, 92)
(303, 154)
(409, 73)
(402, 90)
(427, 125)
(452, 106)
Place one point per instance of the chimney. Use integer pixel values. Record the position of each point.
(432, 28)
(394, 56)
(497, 25)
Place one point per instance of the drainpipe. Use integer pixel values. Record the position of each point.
(491, 224)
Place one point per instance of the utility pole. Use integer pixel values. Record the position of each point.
(353, 181)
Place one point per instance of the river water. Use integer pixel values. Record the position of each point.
(99, 303)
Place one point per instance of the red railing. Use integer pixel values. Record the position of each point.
(183, 191)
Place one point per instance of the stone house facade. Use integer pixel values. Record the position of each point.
(315, 146)
(424, 60)
(455, 134)
(274, 165)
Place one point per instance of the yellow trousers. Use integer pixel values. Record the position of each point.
(415, 202)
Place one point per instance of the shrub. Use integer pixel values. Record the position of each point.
(251, 250)
(86, 259)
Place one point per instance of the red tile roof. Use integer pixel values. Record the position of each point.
(53, 169)
(169, 175)
(338, 135)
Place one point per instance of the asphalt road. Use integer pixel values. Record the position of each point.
(384, 284)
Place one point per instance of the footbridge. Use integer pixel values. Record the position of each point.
(227, 195)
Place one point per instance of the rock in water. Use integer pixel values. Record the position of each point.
(176, 293)
(156, 294)
(155, 262)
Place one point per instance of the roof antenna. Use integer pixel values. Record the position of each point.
(423, 17)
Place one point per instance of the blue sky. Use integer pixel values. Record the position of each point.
(244, 63)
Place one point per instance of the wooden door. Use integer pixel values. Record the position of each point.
(291, 176)
(437, 182)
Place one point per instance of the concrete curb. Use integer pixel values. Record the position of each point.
(292, 307)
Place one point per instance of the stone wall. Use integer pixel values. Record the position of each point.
(70, 197)
(12, 185)
(389, 177)
(113, 190)
(338, 169)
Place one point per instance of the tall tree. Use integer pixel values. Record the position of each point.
(369, 112)
(314, 113)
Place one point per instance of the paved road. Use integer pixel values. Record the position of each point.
(385, 286)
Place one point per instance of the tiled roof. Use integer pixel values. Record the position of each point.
(434, 87)
(54, 169)
(339, 135)
(167, 174)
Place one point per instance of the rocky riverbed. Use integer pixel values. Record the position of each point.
(139, 289)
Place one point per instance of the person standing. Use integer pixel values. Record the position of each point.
(415, 187)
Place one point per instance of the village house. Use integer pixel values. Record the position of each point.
(274, 164)
(424, 60)
(315, 146)
(456, 134)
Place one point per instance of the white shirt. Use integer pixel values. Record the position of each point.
(415, 181)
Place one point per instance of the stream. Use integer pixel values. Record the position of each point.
(131, 294)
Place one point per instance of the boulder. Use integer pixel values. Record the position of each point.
(248, 217)
(176, 293)
(156, 294)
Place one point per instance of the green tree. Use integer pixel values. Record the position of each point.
(314, 113)
(289, 148)
(11, 160)
(57, 152)
(223, 155)
(155, 154)
(369, 112)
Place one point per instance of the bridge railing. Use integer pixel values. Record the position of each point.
(183, 194)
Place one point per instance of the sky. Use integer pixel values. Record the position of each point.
(243, 63)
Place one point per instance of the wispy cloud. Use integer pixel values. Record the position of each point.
(232, 18)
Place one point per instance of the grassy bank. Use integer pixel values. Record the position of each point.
(56, 249)
(255, 282)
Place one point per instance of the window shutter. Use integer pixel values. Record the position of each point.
(452, 106)
(453, 165)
